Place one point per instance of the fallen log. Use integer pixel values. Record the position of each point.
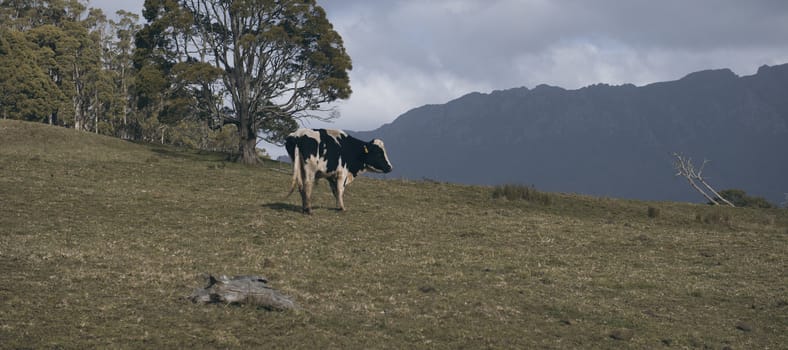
(252, 290)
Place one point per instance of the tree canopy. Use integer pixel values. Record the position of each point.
(196, 73)
(261, 65)
(26, 90)
(54, 63)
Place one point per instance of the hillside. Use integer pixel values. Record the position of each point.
(605, 140)
(101, 240)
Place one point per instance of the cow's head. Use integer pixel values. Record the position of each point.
(375, 158)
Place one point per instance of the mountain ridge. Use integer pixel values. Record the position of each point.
(608, 140)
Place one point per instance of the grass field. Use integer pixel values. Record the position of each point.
(101, 240)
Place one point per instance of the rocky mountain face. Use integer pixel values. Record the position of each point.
(605, 140)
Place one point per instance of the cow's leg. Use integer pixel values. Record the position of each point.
(304, 200)
(306, 196)
(306, 191)
(333, 183)
(339, 192)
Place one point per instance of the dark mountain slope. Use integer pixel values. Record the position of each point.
(605, 140)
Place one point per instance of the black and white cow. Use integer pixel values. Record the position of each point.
(331, 154)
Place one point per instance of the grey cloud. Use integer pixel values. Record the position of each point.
(411, 52)
(481, 39)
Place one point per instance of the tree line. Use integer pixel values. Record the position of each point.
(210, 74)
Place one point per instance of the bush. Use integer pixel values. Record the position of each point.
(740, 198)
(653, 212)
(197, 135)
(520, 192)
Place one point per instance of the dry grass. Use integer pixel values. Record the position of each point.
(520, 192)
(101, 240)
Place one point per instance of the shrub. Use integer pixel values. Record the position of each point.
(197, 135)
(520, 192)
(653, 212)
(740, 198)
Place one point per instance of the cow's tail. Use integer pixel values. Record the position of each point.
(298, 177)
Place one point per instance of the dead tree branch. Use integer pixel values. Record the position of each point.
(685, 168)
(703, 181)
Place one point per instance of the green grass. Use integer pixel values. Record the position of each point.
(101, 240)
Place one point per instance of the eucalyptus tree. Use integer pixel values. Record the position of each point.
(66, 48)
(262, 65)
(83, 58)
(119, 63)
(43, 24)
(26, 90)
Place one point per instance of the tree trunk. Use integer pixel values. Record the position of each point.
(247, 139)
(248, 147)
(686, 169)
(77, 116)
(697, 188)
(715, 192)
(125, 133)
(96, 112)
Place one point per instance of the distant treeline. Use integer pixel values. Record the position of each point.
(65, 64)
(208, 74)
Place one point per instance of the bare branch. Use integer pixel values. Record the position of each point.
(686, 169)
(703, 181)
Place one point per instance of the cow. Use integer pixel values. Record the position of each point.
(333, 155)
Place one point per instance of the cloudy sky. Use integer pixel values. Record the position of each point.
(407, 53)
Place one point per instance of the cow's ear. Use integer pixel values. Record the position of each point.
(366, 150)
